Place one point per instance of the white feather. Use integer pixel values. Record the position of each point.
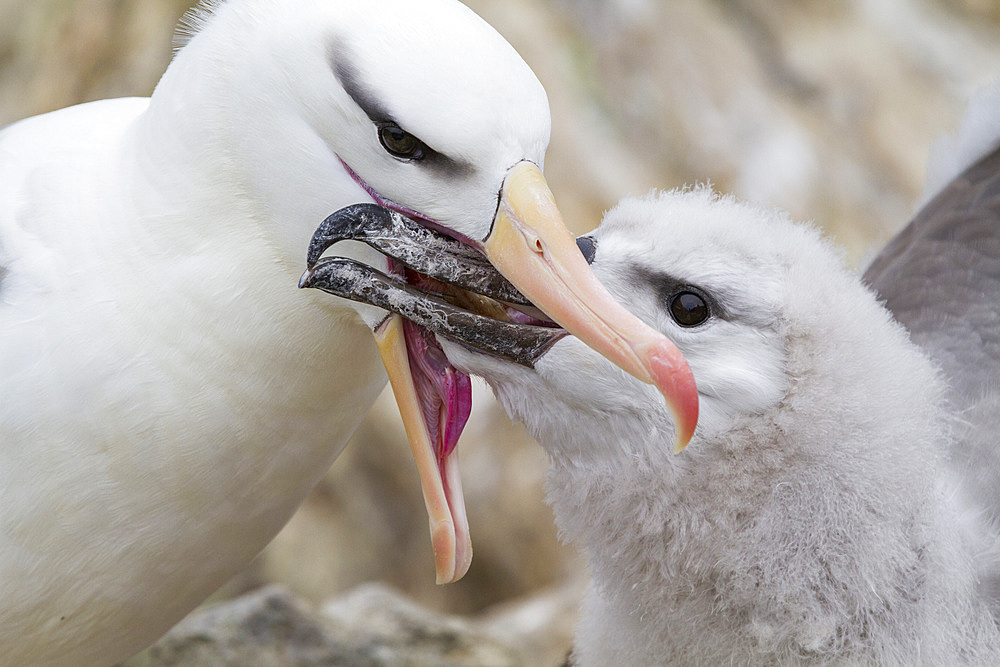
(813, 517)
(168, 395)
(194, 21)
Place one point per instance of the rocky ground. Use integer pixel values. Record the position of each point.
(824, 109)
(370, 625)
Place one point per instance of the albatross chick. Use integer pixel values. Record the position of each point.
(816, 515)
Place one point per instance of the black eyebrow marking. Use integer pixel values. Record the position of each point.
(347, 75)
(349, 78)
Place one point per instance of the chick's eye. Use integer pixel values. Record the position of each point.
(400, 143)
(688, 309)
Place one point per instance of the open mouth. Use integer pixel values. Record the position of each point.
(435, 284)
(435, 281)
(500, 296)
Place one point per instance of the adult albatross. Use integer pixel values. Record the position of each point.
(837, 503)
(167, 402)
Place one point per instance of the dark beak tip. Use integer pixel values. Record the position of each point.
(306, 279)
(350, 222)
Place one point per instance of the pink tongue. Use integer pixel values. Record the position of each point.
(445, 392)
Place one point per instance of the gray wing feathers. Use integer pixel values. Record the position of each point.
(940, 277)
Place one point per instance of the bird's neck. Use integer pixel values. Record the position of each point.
(763, 547)
(651, 524)
(201, 231)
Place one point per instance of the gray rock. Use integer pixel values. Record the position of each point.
(388, 629)
(540, 626)
(264, 628)
(370, 626)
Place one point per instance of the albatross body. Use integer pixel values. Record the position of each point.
(168, 395)
(838, 501)
(132, 376)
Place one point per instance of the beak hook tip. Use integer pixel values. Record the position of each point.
(306, 279)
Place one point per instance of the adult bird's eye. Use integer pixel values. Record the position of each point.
(588, 247)
(688, 309)
(400, 143)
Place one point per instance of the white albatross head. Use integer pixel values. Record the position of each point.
(421, 103)
(304, 107)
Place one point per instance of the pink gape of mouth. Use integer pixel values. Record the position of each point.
(445, 392)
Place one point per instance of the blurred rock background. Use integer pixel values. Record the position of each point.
(826, 109)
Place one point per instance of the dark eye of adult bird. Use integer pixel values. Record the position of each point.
(400, 143)
(688, 309)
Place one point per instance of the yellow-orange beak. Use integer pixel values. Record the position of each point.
(439, 481)
(531, 247)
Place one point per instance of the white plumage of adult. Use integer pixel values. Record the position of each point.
(838, 502)
(167, 396)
